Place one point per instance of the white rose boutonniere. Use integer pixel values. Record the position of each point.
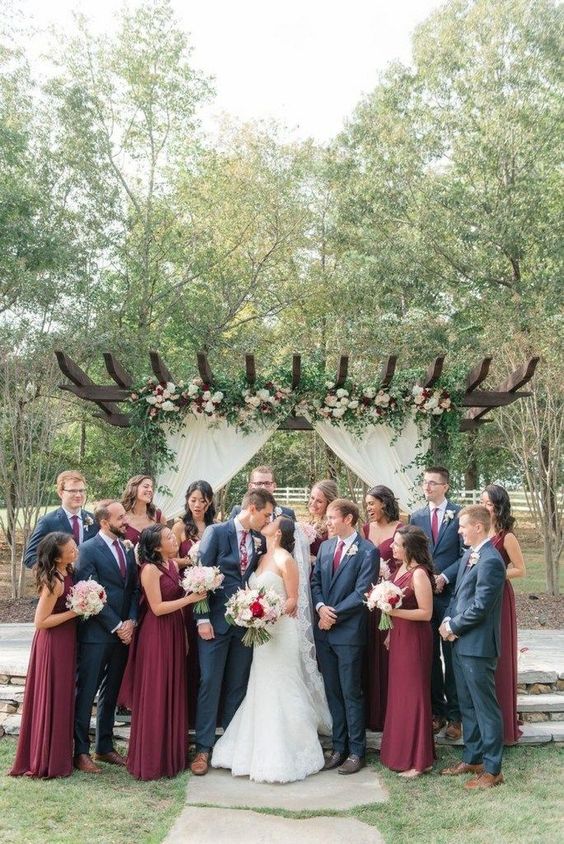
(449, 516)
(257, 543)
(473, 559)
(87, 522)
(352, 550)
(277, 512)
(127, 544)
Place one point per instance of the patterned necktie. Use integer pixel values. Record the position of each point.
(435, 524)
(243, 553)
(121, 558)
(338, 555)
(75, 529)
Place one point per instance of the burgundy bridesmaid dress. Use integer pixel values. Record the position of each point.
(133, 535)
(158, 746)
(407, 740)
(506, 672)
(193, 664)
(376, 668)
(315, 545)
(45, 745)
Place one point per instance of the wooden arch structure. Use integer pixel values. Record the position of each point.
(108, 396)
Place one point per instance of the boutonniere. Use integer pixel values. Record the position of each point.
(352, 550)
(257, 542)
(448, 516)
(127, 544)
(277, 512)
(87, 522)
(473, 559)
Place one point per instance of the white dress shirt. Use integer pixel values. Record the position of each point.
(70, 517)
(350, 540)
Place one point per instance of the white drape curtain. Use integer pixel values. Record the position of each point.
(379, 456)
(212, 453)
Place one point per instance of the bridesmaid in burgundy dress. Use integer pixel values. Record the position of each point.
(199, 513)
(137, 500)
(45, 745)
(383, 514)
(496, 499)
(158, 746)
(321, 496)
(407, 741)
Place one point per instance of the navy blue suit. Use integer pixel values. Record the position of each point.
(340, 650)
(52, 522)
(286, 511)
(446, 553)
(475, 617)
(225, 662)
(101, 654)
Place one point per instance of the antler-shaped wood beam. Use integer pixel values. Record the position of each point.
(508, 388)
(116, 371)
(159, 367)
(296, 371)
(434, 372)
(250, 369)
(388, 369)
(204, 368)
(81, 382)
(342, 371)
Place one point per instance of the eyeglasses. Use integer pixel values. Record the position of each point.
(262, 483)
(434, 483)
(75, 491)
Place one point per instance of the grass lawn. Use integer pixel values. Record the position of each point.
(535, 579)
(113, 808)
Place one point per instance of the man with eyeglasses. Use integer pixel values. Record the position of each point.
(263, 478)
(439, 520)
(70, 517)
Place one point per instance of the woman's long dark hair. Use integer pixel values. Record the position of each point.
(503, 520)
(417, 549)
(129, 496)
(149, 541)
(388, 499)
(190, 527)
(287, 541)
(48, 552)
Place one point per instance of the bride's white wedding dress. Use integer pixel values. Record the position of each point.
(273, 735)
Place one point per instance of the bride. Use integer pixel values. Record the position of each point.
(273, 736)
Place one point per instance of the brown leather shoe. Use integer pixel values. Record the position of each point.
(438, 724)
(453, 730)
(83, 762)
(200, 765)
(334, 760)
(352, 764)
(462, 768)
(485, 780)
(112, 758)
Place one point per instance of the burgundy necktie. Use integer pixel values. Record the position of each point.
(243, 553)
(121, 558)
(338, 555)
(75, 529)
(435, 524)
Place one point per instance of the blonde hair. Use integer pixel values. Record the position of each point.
(477, 514)
(328, 489)
(346, 507)
(68, 475)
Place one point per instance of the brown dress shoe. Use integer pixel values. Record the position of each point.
(200, 765)
(83, 762)
(453, 730)
(485, 780)
(334, 760)
(438, 724)
(352, 764)
(112, 758)
(462, 768)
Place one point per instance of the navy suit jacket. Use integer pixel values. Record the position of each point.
(286, 511)
(447, 550)
(219, 547)
(345, 590)
(475, 608)
(96, 561)
(52, 522)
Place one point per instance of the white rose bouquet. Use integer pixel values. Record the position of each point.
(385, 596)
(200, 579)
(254, 609)
(86, 598)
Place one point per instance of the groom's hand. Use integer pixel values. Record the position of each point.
(327, 615)
(205, 630)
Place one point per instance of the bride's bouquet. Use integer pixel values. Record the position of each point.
(254, 609)
(385, 596)
(86, 598)
(200, 579)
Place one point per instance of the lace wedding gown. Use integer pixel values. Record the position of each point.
(273, 735)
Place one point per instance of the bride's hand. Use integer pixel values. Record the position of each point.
(291, 608)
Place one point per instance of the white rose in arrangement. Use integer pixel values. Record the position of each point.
(263, 394)
(331, 401)
(329, 385)
(353, 404)
(209, 407)
(431, 403)
(445, 404)
(166, 394)
(437, 411)
(344, 401)
(193, 390)
(217, 397)
(170, 386)
(207, 395)
(341, 392)
(383, 399)
(151, 399)
(369, 392)
(159, 399)
(338, 412)
(168, 405)
(417, 390)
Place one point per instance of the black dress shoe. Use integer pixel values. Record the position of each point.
(352, 764)
(334, 760)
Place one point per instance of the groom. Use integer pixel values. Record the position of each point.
(225, 662)
(345, 568)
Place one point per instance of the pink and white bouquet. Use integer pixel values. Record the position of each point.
(385, 596)
(194, 553)
(200, 579)
(86, 598)
(310, 531)
(254, 609)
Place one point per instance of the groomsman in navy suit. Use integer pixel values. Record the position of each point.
(262, 477)
(225, 662)
(473, 625)
(346, 566)
(70, 517)
(439, 520)
(104, 639)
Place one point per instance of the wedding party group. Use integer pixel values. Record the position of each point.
(271, 631)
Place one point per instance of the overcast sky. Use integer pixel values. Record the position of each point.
(305, 63)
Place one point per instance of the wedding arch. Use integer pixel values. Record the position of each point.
(210, 426)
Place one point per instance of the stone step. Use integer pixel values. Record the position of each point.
(12, 727)
(541, 703)
(11, 693)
